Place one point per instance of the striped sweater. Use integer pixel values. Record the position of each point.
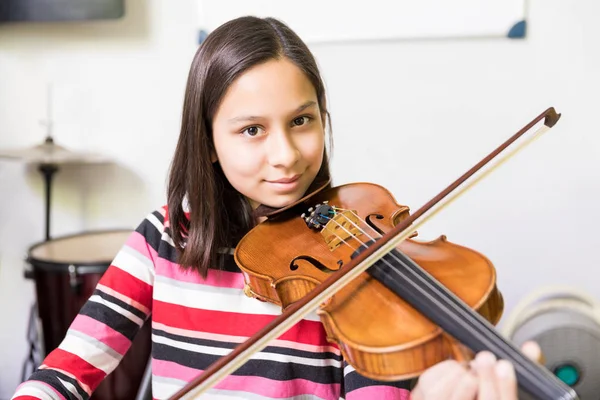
(194, 322)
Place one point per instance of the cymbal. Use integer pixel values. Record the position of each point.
(51, 153)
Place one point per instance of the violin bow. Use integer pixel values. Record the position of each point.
(337, 280)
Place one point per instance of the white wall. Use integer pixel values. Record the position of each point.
(409, 115)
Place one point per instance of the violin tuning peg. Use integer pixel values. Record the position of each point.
(303, 215)
(326, 202)
(311, 209)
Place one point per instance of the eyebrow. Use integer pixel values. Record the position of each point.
(254, 118)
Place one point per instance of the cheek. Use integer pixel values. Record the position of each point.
(236, 163)
(313, 151)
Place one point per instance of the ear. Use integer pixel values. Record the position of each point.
(213, 156)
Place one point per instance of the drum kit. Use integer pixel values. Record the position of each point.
(66, 270)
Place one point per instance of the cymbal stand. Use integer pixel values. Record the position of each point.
(48, 171)
(34, 340)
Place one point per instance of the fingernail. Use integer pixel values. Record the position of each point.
(485, 359)
(504, 370)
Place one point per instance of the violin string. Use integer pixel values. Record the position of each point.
(444, 297)
(378, 293)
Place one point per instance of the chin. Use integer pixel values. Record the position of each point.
(281, 201)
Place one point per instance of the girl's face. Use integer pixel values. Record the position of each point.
(268, 134)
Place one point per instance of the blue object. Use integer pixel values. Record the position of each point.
(202, 36)
(518, 30)
(567, 373)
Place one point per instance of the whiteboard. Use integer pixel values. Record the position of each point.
(318, 21)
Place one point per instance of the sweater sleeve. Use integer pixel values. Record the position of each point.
(357, 387)
(103, 331)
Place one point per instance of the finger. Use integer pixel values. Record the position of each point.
(441, 372)
(465, 388)
(417, 392)
(506, 380)
(438, 381)
(483, 366)
(533, 351)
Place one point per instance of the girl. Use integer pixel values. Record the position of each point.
(252, 139)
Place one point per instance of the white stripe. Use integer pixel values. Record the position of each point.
(164, 390)
(160, 227)
(167, 238)
(288, 344)
(349, 368)
(263, 355)
(243, 395)
(119, 309)
(69, 386)
(90, 353)
(34, 391)
(156, 222)
(135, 266)
(96, 343)
(216, 299)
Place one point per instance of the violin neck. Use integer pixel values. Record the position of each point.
(423, 292)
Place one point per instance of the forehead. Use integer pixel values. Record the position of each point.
(273, 88)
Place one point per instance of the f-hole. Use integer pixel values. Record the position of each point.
(317, 264)
(372, 225)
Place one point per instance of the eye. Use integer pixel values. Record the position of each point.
(251, 131)
(301, 120)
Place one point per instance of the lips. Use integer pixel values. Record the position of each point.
(287, 180)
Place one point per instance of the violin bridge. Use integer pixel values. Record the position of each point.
(342, 228)
(337, 225)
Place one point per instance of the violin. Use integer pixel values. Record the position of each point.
(394, 305)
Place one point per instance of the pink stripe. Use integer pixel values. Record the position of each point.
(138, 242)
(82, 385)
(379, 392)
(54, 390)
(254, 384)
(239, 339)
(215, 278)
(101, 332)
(173, 271)
(123, 298)
(27, 384)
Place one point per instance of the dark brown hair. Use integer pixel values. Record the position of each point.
(219, 215)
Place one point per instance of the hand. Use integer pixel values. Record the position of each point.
(487, 378)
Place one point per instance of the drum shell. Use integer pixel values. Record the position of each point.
(62, 288)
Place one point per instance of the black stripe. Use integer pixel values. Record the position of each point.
(229, 264)
(159, 216)
(275, 370)
(120, 303)
(151, 234)
(168, 252)
(51, 377)
(354, 380)
(268, 349)
(109, 317)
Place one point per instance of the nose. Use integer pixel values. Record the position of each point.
(281, 149)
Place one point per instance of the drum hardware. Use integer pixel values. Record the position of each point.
(48, 156)
(66, 271)
(71, 281)
(73, 278)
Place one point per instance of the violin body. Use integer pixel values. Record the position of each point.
(379, 334)
(393, 311)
